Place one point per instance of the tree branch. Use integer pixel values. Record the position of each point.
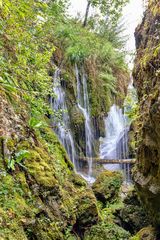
(87, 13)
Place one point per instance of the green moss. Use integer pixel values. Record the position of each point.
(146, 58)
(76, 116)
(87, 211)
(108, 213)
(21, 178)
(108, 231)
(46, 229)
(38, 166)
(13, 231)
(148, 233)
(106, 187)
(154, 8)
(25, 144)
(135, 238)
(77, 180)
(11, 144)
(54, 147)
(14, 209)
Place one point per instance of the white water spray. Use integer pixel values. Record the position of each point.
(115, 143)
(63, 131)
(83, 105)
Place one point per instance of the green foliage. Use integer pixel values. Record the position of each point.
(26, 49)
(29, 33)
(98, 55)
(79, 44)
(135, 238)
(113, 33)
(131, 105)
(109, 83)
(17, 159)
(68, 234)
(35, 123)
(30, 30)
(111, 10)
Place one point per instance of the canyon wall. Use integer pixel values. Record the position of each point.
(147, 82)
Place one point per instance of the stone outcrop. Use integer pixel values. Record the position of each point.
(147, 82)
(107, 185)
(132, 216)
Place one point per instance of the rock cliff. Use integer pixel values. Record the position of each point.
(147, 82)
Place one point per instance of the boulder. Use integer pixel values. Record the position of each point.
(106, 187)
(105, 231)
(148, 233)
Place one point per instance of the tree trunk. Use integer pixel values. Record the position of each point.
(86, 14)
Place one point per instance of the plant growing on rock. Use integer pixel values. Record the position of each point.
(17, 159)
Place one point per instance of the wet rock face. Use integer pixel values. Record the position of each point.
(147, 82)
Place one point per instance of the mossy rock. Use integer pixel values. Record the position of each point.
(87, 211)
(15, 209)
(132, 216)
(38, 166)
(106, 187)
(77, 180)
(106, 231)
(13, 232)
(77, 116)
(47, 230)
(148, 233)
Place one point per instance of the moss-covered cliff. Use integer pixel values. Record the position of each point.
(146, 80)
(41, 197)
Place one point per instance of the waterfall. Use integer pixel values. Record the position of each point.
(115, 143)
(62, 122)
(83, 105)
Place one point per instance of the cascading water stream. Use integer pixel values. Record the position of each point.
(113, 146)
(115, 143)
(62, 130)
(83, 105)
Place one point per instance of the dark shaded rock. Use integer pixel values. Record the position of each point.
(132, 216)
(87, 212)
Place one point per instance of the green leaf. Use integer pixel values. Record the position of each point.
(21, 155)
(35, 123)
(11, 164)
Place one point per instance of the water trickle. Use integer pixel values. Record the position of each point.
(83, 105)
(115, 143)
(62, 123)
